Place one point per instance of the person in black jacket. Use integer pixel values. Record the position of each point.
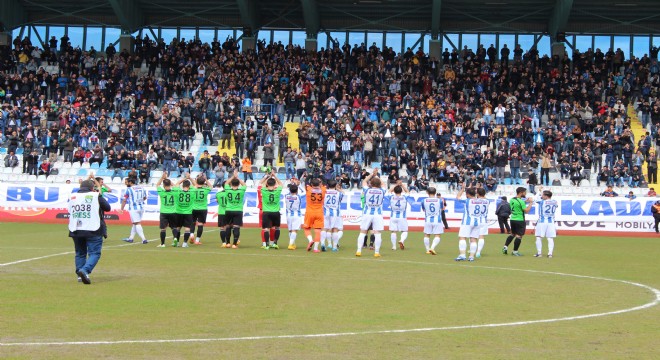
(86, 227)
(503, 212)
(655, 210)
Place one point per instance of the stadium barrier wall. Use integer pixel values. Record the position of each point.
(48, 204)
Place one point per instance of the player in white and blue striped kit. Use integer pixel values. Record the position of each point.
(372, 213)
(474, 215)
(292, 203)
(433, 208)
(545, 226)
(332, 219)
(398, 215)
(134, 197)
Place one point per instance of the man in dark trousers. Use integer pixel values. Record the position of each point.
(503, 212)
(86, 209)
(655, 210)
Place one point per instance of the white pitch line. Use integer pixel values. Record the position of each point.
(650, 304)
(73, 252)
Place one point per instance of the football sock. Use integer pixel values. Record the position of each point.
(393, 239)
(340, 233)
(308, 234)
(404, 236)
(223, 235)
(272, 235)
(539, 245)
(265, 235)
(237, 234)
(193, 228)
(473, 248)
(372, 239)
(516, 244)
(508, 240)
(186, 236)
(436, 242)
(324, 235)
(360, 241)
(132, 232)
(140, 231)
(480, 245)
(276, 235)
(462, 245)
(378, 240)
(200, 231)
(176, 233)
(316, 245)
(162, 237)
(551, 245)
(426, 243)
(335, 240)
(292, 237)
(262, 236)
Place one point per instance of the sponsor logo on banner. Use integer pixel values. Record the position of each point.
(589, 214)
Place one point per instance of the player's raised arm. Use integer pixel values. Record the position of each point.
(241, 182)
(162, 177)
(460, 192)
(403, 187)
(178, 183)
(97, 184)
(367, 180)
(263, 180)
(278, 182)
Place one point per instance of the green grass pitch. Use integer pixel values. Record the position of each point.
(237, 304)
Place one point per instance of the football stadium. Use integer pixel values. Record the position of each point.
(353, 179)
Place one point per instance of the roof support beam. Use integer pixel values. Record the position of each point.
(559, 17)
(12, 15)
(129, 15)
(249, 15)
(435, 19)
(311, 16)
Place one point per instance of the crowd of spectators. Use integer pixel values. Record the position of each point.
(469, 117)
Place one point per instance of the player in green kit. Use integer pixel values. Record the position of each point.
(221, 197)
(271, 189)
(167, 195)
(235, 194)
(200, 207)
(184, 208)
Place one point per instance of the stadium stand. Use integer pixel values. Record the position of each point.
(574, 124)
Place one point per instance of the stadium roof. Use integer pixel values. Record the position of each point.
(434, 16)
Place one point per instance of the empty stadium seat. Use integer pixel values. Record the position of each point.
(42, 178)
